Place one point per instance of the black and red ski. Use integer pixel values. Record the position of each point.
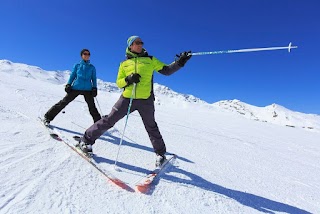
(54, 134)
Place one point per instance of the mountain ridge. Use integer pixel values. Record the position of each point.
(272, 113)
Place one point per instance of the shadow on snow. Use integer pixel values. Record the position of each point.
(108, 137)
(247, 199)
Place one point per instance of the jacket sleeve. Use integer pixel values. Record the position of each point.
(94, 78)
(73, 74)
(165, 69)
(121, 82)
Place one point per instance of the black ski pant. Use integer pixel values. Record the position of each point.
(54, 110)
(119, 110)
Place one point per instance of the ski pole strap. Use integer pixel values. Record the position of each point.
(289, 47)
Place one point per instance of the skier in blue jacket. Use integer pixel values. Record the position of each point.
(82, 81)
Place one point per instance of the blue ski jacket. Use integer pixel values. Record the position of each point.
(83, 76)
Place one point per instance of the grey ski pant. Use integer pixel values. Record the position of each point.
(119, 110)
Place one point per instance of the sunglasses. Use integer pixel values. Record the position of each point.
(86, 54)
(138, 43)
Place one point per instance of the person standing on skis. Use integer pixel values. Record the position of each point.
(82, 81)
(135, 76)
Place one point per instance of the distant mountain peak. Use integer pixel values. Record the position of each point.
(273, 113)
(4, 61)
(164, 90)
(34, 72)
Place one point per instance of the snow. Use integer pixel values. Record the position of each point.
(227, 162)
(274, 113)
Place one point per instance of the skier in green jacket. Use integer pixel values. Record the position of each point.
(137, 69)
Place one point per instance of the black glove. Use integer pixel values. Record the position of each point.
(133, 78)
(183, 58)
(94, 92)
(68, 88)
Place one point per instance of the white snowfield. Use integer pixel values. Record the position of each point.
(229, 160)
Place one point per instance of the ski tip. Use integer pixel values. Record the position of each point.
(142, 188)
(55, 136)
(120, 184)
(117, 181)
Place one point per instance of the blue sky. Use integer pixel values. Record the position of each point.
(50, 34)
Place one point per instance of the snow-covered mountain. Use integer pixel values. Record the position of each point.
(34, 72)
(274, 113)
(226, 163)
(164, 90)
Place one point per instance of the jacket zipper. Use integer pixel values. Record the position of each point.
(135, 71)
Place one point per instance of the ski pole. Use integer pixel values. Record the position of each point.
(289, 47)
(124, 129)
(98, 105)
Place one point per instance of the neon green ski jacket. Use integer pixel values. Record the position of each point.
(144, 65)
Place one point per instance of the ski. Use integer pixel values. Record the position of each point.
(55, 136)
(50, 130)
(107, 174)
(89, 159)
(144, 184)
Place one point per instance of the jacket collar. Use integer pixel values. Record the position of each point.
(130, 55)
(85, 62)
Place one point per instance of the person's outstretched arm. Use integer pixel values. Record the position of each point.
(174, 66)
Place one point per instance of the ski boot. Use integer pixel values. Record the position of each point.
(85, 148)
(160, 159)
(46, 122)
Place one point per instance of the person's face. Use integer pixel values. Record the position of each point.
(137, 46)
(86, 55)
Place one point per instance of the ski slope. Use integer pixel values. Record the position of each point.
(226, 163)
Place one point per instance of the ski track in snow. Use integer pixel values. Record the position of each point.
(225, 164)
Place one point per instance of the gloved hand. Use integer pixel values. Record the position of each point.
(133, 78)
(94, 92)
(68, 88)
(183, 58)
